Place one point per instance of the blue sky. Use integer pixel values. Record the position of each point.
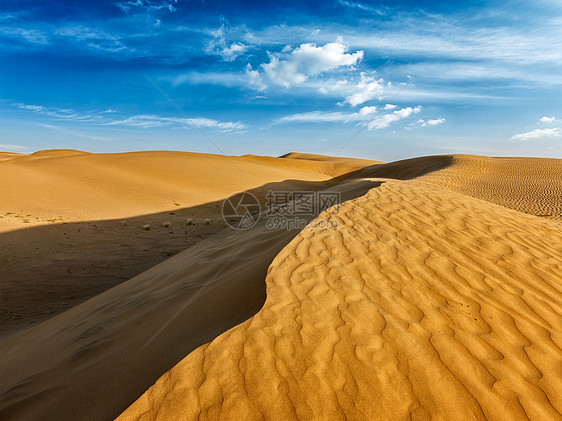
(412, 77)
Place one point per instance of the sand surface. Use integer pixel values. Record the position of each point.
(68, 185)
(71, 222)
(426, 300)
(423, 303)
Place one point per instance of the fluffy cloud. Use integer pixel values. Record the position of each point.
(387, 119)
(365, 90)
(537, 133)
(435, 122)
(547, 119)
(292, 67)
(221, 46)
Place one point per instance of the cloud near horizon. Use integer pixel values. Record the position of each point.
(538, 133)
(106, 118)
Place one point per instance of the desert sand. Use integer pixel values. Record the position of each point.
(438, 294)
(70, 219)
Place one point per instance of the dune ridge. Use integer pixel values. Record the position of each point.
(424, 303)
(71, 185)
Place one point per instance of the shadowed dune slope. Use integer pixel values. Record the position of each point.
(71, 221)
(94, 360)
(423, 303)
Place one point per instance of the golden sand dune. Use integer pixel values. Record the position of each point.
(323, 165)
(111, 348)
(422, 303)
(5, 156)
(530, 185)
(83, 215)
(73, 185)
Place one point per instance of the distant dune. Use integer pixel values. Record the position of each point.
(427, 300)
(75, 185)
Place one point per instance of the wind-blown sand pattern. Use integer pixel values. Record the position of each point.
(530, 185)
(425, 302)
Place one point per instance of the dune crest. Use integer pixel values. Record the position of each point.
(424, 303)
(75, 186)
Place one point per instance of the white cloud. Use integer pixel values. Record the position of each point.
(389, 107)
(152, 121)
(5, 16)
(220, 45)
(33, 36)
(61, 113)
(255, 80)
(538, 133)
(126, 6)
(435, 122)
(308, 60)
(387, 119)
(93, 38)
(107, 118)
(547, 119)
(365, 90)
(329, 117)
(366, 114)
(363, 7)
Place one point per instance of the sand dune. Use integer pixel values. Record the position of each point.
(70, 219)
(425, 301)
(5, 156)
(115, 345)
(72, 185)
(530, 185)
